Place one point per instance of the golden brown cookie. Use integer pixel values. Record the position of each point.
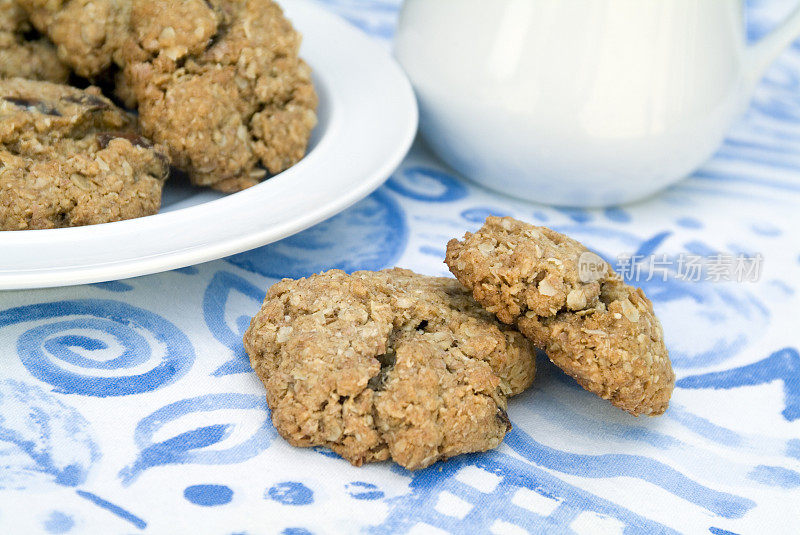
(87, 33)
(389, 364)
(70, 157)
(614, 349)
(599, 330)
(220, 83)
(513, 267)
(35, 59)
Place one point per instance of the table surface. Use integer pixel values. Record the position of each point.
(130, 406)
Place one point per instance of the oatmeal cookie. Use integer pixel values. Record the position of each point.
(35, 59)
(220, 83)
(603, 332)
(88, 33)
(389, 364)
(513, 268)
(69, 157)
(614, 349)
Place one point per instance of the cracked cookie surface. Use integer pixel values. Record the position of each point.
(389, 364)
(220, 83)
(602, 332)
(35, 59)
(69, 157)
(87, 33)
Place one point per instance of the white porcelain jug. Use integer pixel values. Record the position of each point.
(580, 102)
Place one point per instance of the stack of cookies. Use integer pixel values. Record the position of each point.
(219, 88)
(396, 365)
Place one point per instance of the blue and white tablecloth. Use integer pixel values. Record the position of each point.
(130, 407)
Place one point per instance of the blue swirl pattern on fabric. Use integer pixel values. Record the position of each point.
(488, 505)
(370, 235)
(426, 184)
(634, 466)
(782, 365)
(216, 297)
(42, 438)
(191, 446)
(50, 351)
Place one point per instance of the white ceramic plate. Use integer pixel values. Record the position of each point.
(367, 121)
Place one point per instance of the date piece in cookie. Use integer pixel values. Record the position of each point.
(88, 33)
(35, 59)
(389, 364)
(70, 157)
(599, 330)
(220, 83)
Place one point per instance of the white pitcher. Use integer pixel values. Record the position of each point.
(580, 102)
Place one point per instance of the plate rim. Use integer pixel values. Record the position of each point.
(164, 260)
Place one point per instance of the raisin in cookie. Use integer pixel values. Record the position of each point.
(389, 364)
(601, 331)
(88, 33)
(69, 157)
(35, 59)
(220, 83)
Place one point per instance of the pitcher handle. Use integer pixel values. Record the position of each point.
(765, 51)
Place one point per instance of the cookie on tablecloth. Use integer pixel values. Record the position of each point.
(602, 332)
(513, 268)
(389, 364)
(614, 349)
